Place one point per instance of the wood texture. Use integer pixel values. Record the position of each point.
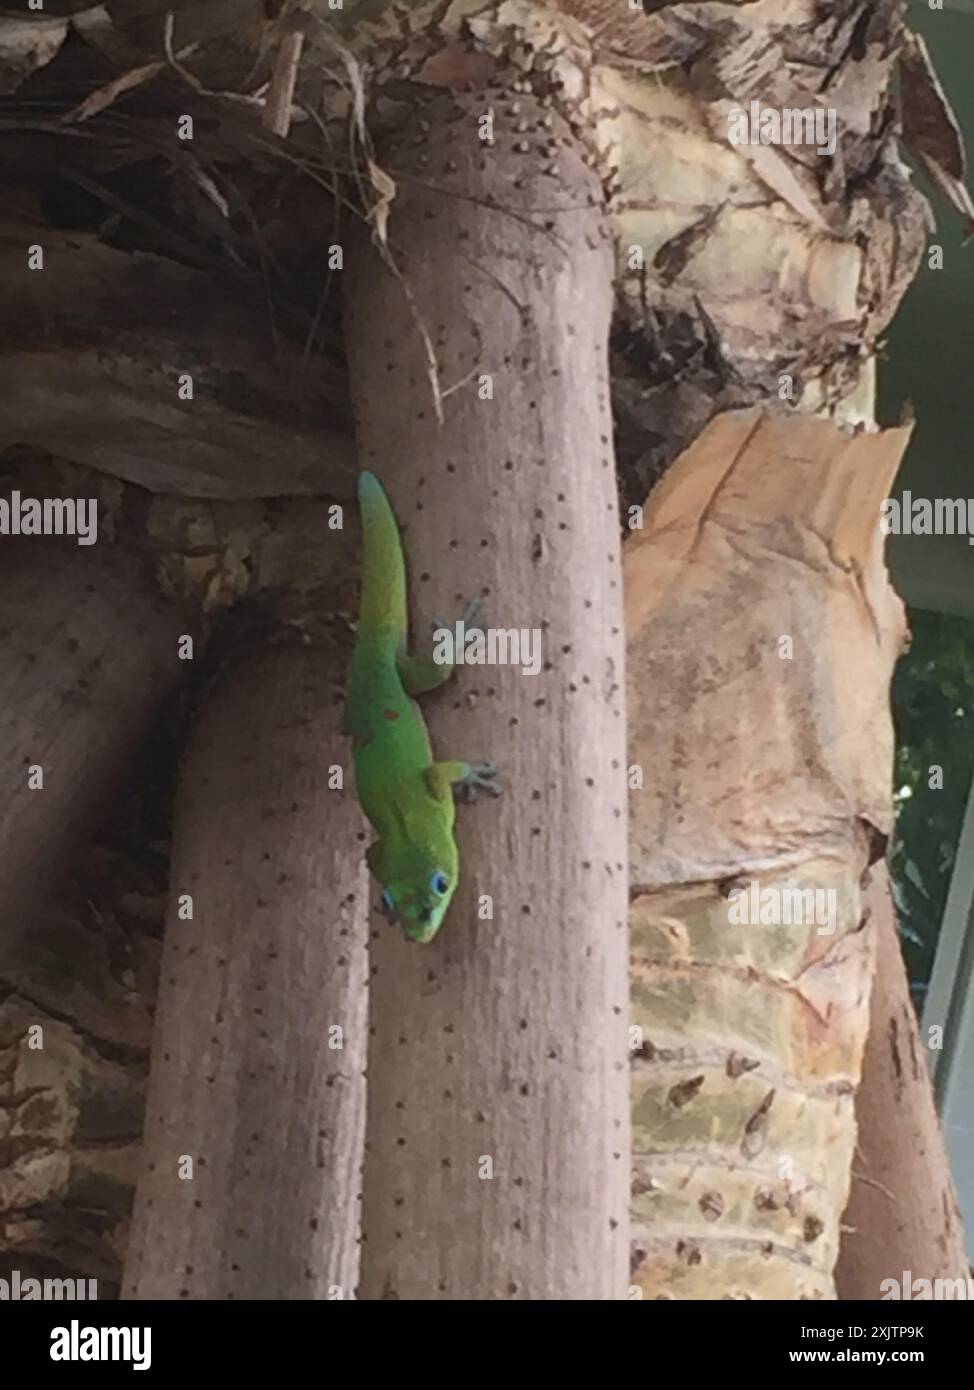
(497, 1157)
(246, 1079)
(88, 656)
(92, 350)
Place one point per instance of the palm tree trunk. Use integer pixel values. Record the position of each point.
(497, 1159)
(254, 1118)
(760, 655)
(88, 658)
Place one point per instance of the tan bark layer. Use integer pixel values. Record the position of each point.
(902, 1213)
(497, 1157)
(88, 656)
(762, 635)
(248, 1078)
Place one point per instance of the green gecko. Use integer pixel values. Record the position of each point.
(406, 795)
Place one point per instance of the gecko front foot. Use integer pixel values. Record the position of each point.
(481, 777)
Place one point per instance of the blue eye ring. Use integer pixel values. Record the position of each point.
(439, 883)
(388, 901)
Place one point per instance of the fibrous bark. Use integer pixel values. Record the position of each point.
(497, 1154)
(256, 1097)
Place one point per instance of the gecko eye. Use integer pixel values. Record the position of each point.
(388, 901)
(439, 884)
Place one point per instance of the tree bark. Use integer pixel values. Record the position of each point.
(496, 1162)
(88, 378)
(249, 1078)
(762, 636)
(88, 657)
(903, 1213)
(828, 247)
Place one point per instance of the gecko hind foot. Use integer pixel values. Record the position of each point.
(470, 617)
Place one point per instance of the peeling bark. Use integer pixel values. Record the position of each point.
(246, 1079)
(496, 1162)
(762, 636)
(745, 273)
(902, 1212)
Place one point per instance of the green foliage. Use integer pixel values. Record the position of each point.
(933, 706)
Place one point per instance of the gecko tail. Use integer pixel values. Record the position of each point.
(384, 570)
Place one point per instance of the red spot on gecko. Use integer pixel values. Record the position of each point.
(391, 714)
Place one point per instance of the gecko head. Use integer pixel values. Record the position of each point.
(418, 901)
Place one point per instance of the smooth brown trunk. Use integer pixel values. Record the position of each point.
(88, 656)
(258, 1056)
(497, 1156)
